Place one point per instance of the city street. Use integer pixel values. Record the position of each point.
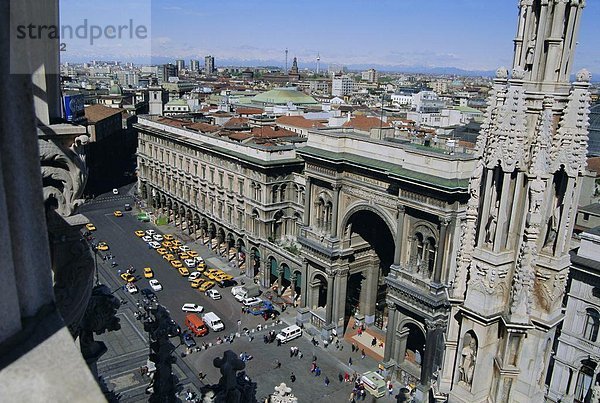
(128, 348)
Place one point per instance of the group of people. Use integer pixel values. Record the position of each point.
(269, 337)
(295, 352)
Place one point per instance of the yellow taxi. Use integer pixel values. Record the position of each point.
(176, 264)
(169, 257)
(167, 244)
(183, 271)
(127, 277)
(201, 266)
(148, 273)
(90, 227)
(168, 237)
(139, 233)
(211, 273)
(197, 282)
(224, 276)
(118, 213)
(206, 286)
(103, 246)
(192, 253)
(177, 243)
(161, 251)
(184, 256)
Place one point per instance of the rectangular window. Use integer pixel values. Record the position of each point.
(586, 216)
(241, 186)
(203, 172)
(212, 175)
(221, 179)
(230, 183)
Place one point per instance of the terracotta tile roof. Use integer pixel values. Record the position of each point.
(96, 113)
(236, 123)
(365, 123)
(593, 164)
(298, 121)
(238, 136)
(203, 127)
(248, 111)
(269, 132)
(173, 122)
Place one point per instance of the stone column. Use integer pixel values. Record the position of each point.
(367, 305)
(399, 232)
(429, 353)
(391, 332)
(293, 280)
(307, 202)
(341, 283)
(304, 284)
(329, 307)
(334, 216)
(279, 280)
(249, 264)
(441, 250)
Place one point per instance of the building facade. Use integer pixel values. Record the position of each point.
(209, 65)
(342, 85)
(577, 359)
(243, 200)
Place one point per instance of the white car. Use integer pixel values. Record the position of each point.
(194, 275)
(157, 237)
(155, 285)
(238, 289)
(199, 259)
(190, 263)
(131, 288)
(251, 301)
(184, 248)
(147, 238)
(154, 245)
(214, 294)
(192, 308)
(150, 232)
(115, 191)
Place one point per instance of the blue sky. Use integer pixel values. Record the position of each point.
(467, 34)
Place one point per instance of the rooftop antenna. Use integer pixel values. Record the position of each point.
(286, 52)
(318, 60)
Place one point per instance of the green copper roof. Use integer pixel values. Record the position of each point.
(177, 102)
(391, 169)
(281, 96)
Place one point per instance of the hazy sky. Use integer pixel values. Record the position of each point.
(468, 34)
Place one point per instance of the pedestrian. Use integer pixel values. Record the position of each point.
(352, 400)
(314, 358)
(291, 352)
(313, 367)
(326, 381)
(390, 388)
(352, 347)
(277, 364)
(359, 332)
(340, 377)
(278, 342)
(341, 347)
(346, 377)
(300, 355)
(349, 360)
(362, 354)
(374, 342)
(318, 371)
(293, 377)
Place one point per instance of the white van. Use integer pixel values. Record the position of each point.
(213, 322)
(289, 333)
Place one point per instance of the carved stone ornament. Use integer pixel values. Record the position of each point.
(518, 73)
(283, 394)
(502, 72)
(583, 76)
(63, 174)
(229, 365)
(549, 287)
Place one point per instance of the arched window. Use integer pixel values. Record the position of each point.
(274, 194)
(282, 191)
(584, 381)
(592, 324)
(328, 216)
(430, 254)
(420, 246)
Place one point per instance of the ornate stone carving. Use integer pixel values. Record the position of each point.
(228, 366)
(549, 287)
(502, 72)
(283, 394)
(522, 288)
(63, 174)
(518, 73)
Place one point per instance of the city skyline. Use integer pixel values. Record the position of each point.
(387, 34)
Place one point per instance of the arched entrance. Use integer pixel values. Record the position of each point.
(273, 270)
(321, 289)
(367, 232)
(230, 247)
(255, 262)
(411, 356)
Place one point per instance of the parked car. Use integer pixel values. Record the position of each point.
(226, 283)
(183, 271)
(115, 191)
(194, 275)
(184, 248)
(189, 341)
(148, 293)
(190, 263)
(150, 232)
(157, 237)
(148, 273)
(131, 288)
(127, 207)
(213, 294)
(147, 238)
(127, 277)
(189, 307)
(103, 246)
(206, 286)
(154, 245)
(169, 237)
(118, 213)
(90, 227)
(139, 233)
(155, 285)
(251, 301)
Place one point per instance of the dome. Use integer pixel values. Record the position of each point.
(115, 89)
(282, 96)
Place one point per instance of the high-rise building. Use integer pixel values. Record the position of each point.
(506, 298)
(209, 65)
(195, 65)
(342, 85)
(180, 63)
(166, 71)
(369, 75)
